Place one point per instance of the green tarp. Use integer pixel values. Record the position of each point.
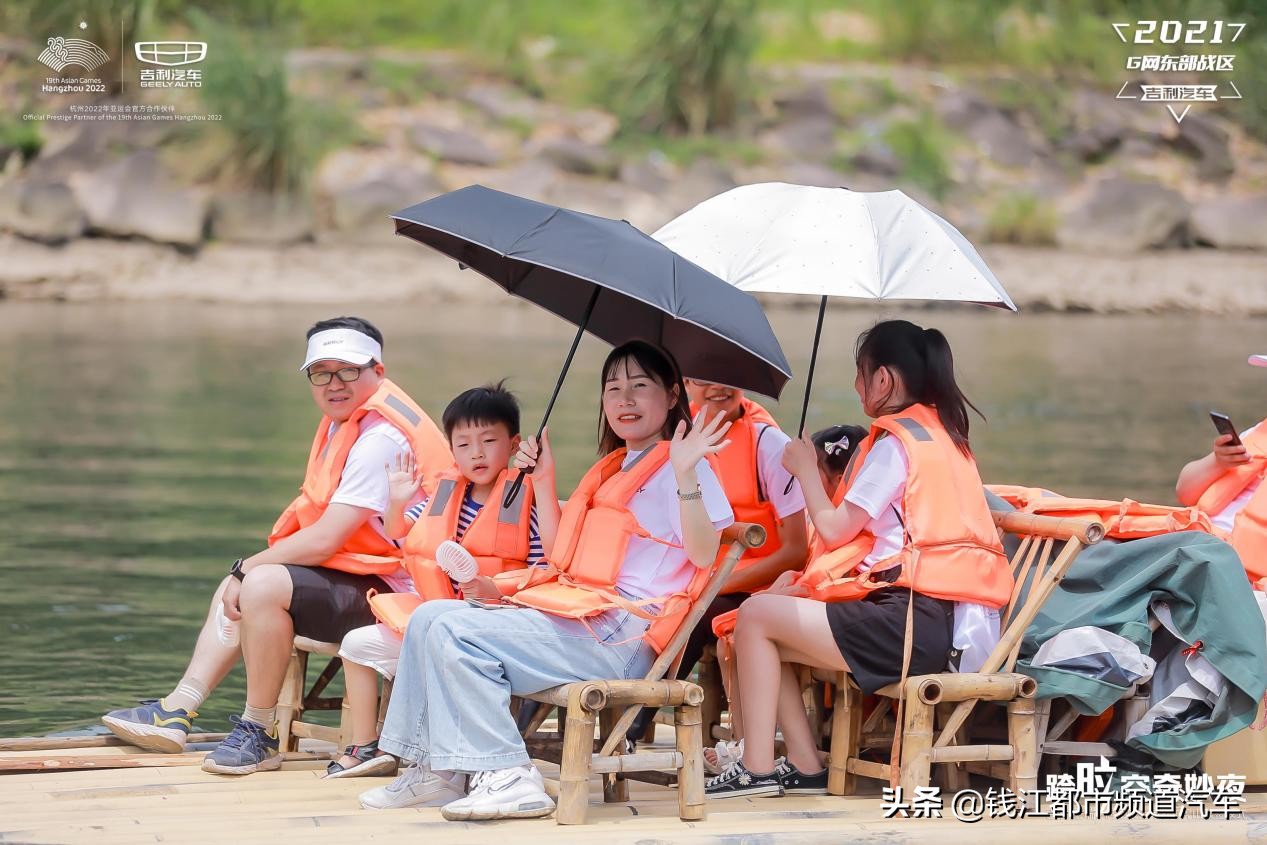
(1111, 586)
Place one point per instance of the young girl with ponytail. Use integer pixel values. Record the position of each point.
(907, 553)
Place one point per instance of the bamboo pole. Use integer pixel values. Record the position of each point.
(868, 769)
(1084, 531)
(969, 753)
(1023, 736)
(58, 743)
(67, 762)
(846, 732)
(615, 789)
(642, 762)
(689, 732)
(958, 686)
(917, 741)
(574, 767)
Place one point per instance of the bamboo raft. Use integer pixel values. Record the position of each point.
(92, 790)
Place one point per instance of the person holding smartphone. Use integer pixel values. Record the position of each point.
(1227, 485)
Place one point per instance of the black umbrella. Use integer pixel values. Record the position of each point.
(607, 278)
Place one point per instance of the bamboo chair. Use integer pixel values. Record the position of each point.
(615, 703)
(293, 701)
(953, 695)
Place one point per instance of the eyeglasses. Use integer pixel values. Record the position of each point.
(347, 375)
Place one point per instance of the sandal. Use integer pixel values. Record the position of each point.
(369, 761)
(722, 755)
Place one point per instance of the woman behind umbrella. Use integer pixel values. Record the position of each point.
(449, 712)
(935, 560)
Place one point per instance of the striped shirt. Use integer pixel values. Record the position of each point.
(470, 507)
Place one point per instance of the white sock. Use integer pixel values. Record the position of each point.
(189, 695)
(262, 716)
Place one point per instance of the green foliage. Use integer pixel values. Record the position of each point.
(684, 149)
(275, 136)
(20, 135)
(690, 66)
(921, 144)
(1022, 218)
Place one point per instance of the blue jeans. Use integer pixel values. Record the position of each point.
(450, 704)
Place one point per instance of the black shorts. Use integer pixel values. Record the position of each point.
(870, 634)
(327, 603)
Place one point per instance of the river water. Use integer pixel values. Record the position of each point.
(144, 447)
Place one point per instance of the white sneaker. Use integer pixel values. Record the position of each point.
(516, 793)
(416, 786)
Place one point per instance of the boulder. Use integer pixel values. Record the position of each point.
(805, 101)
(505, 103)
(1231, 222)
(455, 145)
(42, 211)
(134, 198)
(811, 138)
(1207, 143)
(359, 188)
(877, 157)
(652, 172)
(702, 179)
(260, 218)
(1093, 143)
(999, 137)
(576, 156)
(1125, 215)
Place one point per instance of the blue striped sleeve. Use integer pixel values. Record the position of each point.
(415, 512)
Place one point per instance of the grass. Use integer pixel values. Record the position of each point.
(20, 135)
(921, 144)
(1021, 218)
(683, 150)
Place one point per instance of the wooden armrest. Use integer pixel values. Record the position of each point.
(747, 534)
(597, 695)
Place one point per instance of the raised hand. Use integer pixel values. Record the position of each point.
(404, 480)
(800, 457)
(534, 457)
(687, 449)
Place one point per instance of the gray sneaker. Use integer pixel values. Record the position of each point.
(416, 786)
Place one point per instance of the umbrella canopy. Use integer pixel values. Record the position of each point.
(608, 277)
(781, 238)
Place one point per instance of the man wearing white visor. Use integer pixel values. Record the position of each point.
(326, 551)
(1227, 485)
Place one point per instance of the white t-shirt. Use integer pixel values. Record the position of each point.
(773, 476)
(1225, 518)
(878, 490)
(654, 569)
(364, 480)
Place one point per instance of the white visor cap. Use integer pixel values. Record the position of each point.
(1258, 360)
(342, 345)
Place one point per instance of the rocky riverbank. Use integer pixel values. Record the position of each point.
(395, 270)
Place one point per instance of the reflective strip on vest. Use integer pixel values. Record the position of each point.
(444, 490)
(916, 430)
(510, 515)
(404, 410)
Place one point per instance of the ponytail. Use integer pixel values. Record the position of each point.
(923, 359)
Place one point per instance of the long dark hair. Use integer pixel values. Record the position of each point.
(922, 357)
(660, 365)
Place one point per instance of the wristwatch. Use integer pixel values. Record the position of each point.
(690, 497)
(236, 569)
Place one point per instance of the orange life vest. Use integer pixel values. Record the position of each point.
(952, 549)
(738, 469)
(591, 545)
(499, 538)
(366, 551)
(1249, 527)
(1123, 520)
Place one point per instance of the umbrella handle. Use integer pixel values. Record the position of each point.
(809, 378)
(518, 483)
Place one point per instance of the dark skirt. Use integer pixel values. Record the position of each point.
(870, 635)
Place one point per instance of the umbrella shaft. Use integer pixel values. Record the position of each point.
(809, 377)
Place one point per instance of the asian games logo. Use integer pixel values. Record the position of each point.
(61, 53)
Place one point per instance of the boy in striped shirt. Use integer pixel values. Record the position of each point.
(482, 426)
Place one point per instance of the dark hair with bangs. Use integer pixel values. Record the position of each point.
(661, 367)
(486, 405)
(922, 357)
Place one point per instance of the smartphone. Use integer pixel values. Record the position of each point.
(1224, 425)
(490, 605)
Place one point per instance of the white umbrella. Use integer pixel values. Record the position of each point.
(781, 238)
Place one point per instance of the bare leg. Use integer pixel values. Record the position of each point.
(268, 633)
(360, 691)
(772, 629)
(211, 661)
